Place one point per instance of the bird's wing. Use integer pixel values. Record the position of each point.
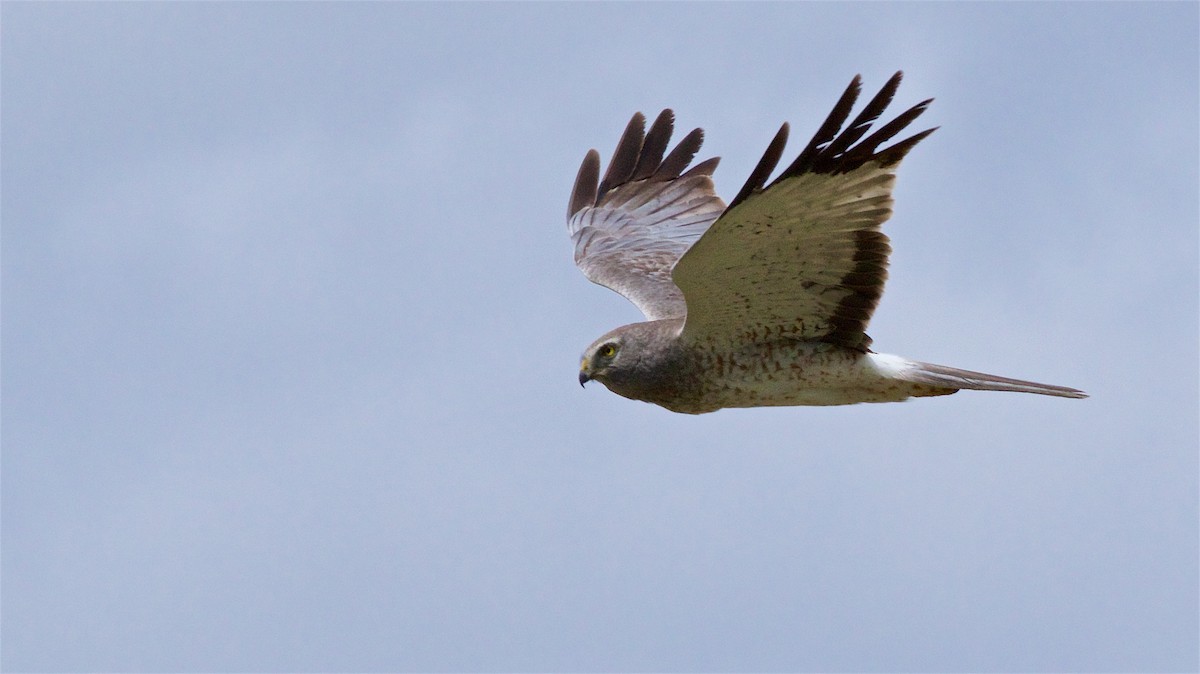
(803, 257)
(631, 227)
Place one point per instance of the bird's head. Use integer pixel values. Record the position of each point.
(603, 358)
(632, 358)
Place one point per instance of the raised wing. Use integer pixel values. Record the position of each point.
(803, 257)
(631, 227)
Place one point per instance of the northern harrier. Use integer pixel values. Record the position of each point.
(764, 301)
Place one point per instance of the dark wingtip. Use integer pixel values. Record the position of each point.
(625, 157)
(584, 192)
(836, 150)
(892, 155)
(655, 145)
(770, 159)
(680, 157)
(704, 168)
(639, 156)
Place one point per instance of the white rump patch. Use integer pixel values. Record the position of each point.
(892, 367)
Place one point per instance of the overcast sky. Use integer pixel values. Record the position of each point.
(291, 335)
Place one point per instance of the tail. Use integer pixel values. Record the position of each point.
(951, 377)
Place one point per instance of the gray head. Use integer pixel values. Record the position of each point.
(639, 361)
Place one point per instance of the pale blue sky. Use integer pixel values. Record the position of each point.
(291, 328)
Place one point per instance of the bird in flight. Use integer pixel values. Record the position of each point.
(764, 301)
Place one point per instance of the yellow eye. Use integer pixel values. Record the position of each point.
(607, 351)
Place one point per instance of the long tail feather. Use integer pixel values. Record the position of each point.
(951, 377)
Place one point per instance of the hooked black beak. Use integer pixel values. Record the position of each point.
(584, 377)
